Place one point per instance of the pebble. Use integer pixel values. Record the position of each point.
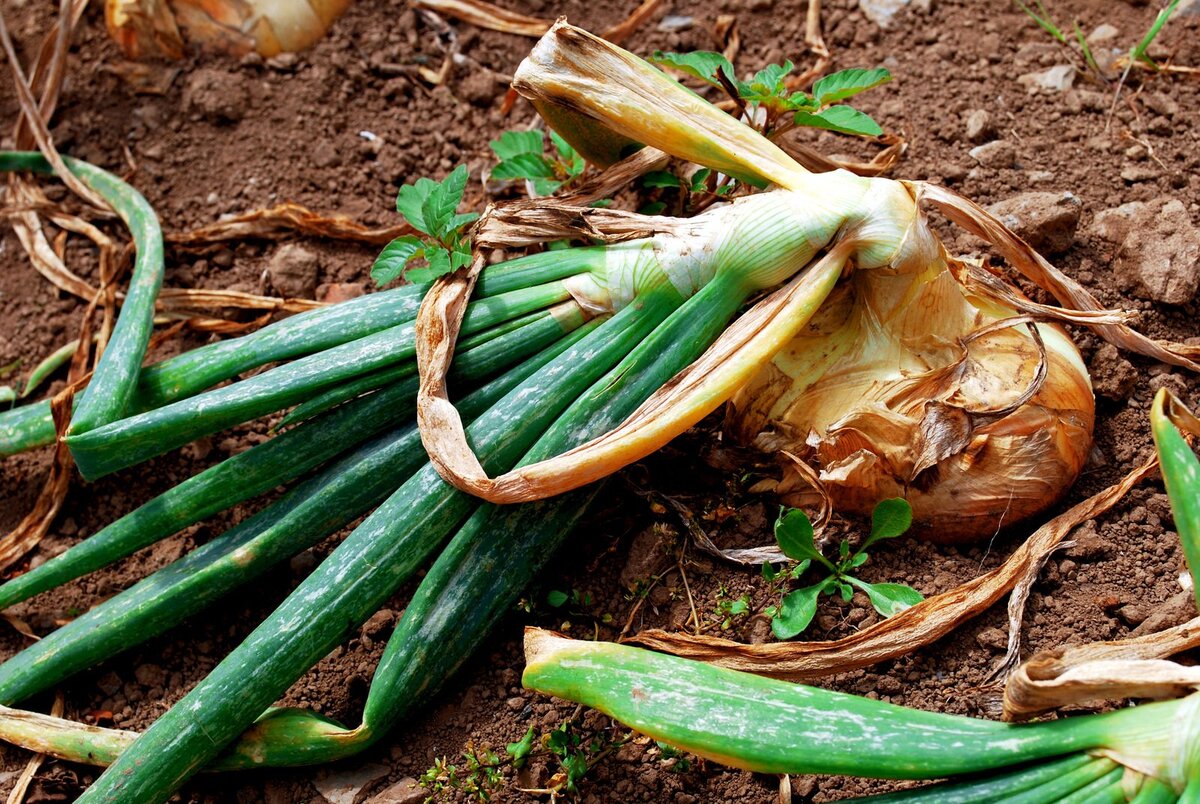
(1138, 173)
(1045, 220)
(1103, 33)
(994, 638)
(1058, 78)
(1160, 256)
(1113, 224)
(998, 154)
(882, 12)
(1113, 377)
(216, 95)
(293, 270)
(979, 125)
(343, 787)
(674, 23)
(405, 791)
(479, 88)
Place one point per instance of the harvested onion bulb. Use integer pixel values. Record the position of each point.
(904, 385)
(153, 27)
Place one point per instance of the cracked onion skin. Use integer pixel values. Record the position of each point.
(889, 394)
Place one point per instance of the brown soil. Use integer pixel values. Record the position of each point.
(229, 136)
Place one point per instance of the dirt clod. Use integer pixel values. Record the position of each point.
(1046, 221)
(293, 270)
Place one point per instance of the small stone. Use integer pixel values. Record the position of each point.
(994, 638)
(405, 791)
(979, 126)
(109, 683)
(343, 787)
(881, 12)
(1133, 614)
(515, 703)
(1059, 78)
(293, 270)
(150, 675)
(334, 292)
(216, 95)
(479, 88)
(326, 157)
(1160, 257)
(1113, 224)
(1138, 173)
(223, 258)
(998, 154)
(379, 622)
(1047, 221)
(1089, 544)
(1113, 376)
(646, 554)
(284, 62)
(1103, 33)
(674, 23)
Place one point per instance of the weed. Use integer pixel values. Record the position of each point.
(429, 207)
(794, 532)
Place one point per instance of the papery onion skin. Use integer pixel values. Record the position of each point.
(148, 28)
(851, 397)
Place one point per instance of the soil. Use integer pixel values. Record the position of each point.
(229, 136)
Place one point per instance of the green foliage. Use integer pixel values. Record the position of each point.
(728, 608)
(767, 89)
(794, 533)
(521, 155)
(431, 208)
(478, 777)
(1139, 51)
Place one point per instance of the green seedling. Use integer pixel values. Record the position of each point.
(728, 608)
(767, 99)
(794, 532)
(521, 155)
(429, 207)
(1140, 50)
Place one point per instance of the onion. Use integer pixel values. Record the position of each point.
(906, 385)
(152, 27)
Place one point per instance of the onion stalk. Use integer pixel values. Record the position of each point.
(770, 726)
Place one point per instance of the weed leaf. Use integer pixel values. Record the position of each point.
(889, 598)
(891, 518)
(411, 199)
(797, 611)
(794, 532)
(520, 749)
(848, 83)
(515, 143)
(439, 206)
(843, 119)
(660, 178)
(395, 255)
(524, 166)
(702, 64)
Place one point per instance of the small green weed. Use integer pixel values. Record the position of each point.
(794, 532)
(521, 155)
(773, 106)
(429, 207)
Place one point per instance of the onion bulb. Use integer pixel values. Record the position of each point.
(906, 385)
(268, 27)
